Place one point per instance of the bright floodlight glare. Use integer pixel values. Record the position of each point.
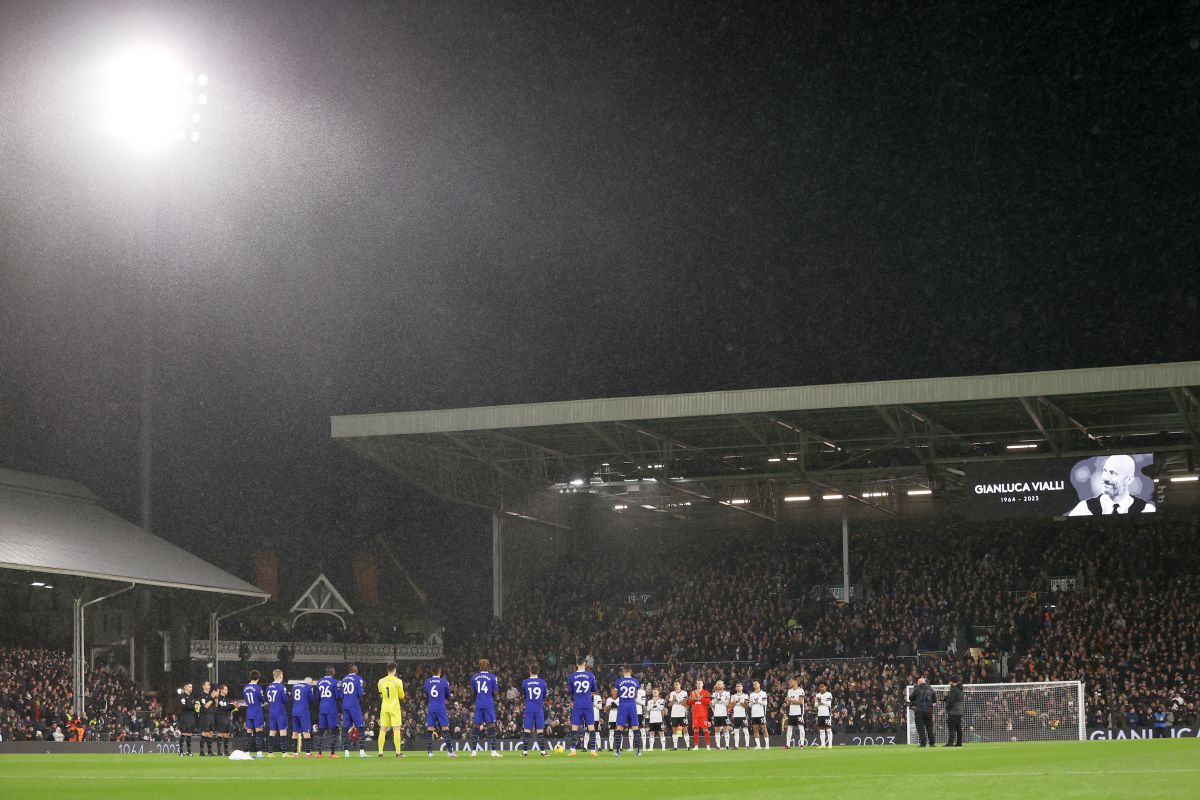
(146, 97)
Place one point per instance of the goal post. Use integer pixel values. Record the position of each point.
(1012, 712)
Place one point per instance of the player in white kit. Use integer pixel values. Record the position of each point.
(679, 727)
(824, 701)
(610, 704)
(656, 711)
(720, 713)
(741, 719)
(641, 712)
(794, 708)
(758, 716)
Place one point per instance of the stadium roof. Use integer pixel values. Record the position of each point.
(55, 526)
(752, 445)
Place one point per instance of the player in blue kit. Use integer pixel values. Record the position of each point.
(277, 715)
(302, 695)
(352, 697)
(329, 691)
(533, 689)
(437, 692)
(485, 685)
(253, 697)
(627, 711)
(580, 685)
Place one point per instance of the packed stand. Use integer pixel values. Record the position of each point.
(938, 600)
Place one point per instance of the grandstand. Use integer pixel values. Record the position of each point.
(883, 469)
(59, 546)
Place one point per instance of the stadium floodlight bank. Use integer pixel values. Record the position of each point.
(1012, 712)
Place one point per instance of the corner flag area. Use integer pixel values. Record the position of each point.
(1158, 768)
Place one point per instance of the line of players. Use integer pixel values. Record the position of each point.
(626, 705)
(736, 717)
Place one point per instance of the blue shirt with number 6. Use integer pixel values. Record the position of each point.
(437, 690)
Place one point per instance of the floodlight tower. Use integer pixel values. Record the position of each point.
(152, 103)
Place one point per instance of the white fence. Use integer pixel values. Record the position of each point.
(303, 652)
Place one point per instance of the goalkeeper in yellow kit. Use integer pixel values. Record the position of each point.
(391, 690)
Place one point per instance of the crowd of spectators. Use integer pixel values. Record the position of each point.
(36, 698)
(934, 600)
(977, 602)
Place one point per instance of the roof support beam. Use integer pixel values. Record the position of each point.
(894, 424)
(664, 481)
(1181, 402)
(801, 471)
(816, 437)
(927, 420)
(676, 488)
(1074, 423)
(1041, 426)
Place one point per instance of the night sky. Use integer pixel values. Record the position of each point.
(400, 206)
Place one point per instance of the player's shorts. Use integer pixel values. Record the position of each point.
(301, 724)
(484, 715)
(222, 723)
(279, 721)
(678, 722)
(535, 719)
(187, 723)
(352, 716)
(390, 719)
(795, 719)
(823, 723)
(699, 723)
(327, 721)
(254, 721)
(739, 723)
(627, 718)
(436, 719)
(583, 716)
(207, 721)
(612, 719)
(758, 720)
(720, 722)
(656, 727)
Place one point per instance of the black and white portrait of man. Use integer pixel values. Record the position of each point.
(1114, 488)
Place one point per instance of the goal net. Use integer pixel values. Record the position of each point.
(1011, 712)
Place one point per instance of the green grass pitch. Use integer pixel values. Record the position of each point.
(1146, 768)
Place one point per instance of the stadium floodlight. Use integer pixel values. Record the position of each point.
(739, 501)
(150, 99)
(797, 498)
(620, 507)
(773, 459)
(919, 492)
(875, 494)
(1185, 478)
(38, 584)
(831, 497)
(577, 482)
(1023, 446)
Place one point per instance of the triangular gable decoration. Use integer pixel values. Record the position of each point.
(322, 597)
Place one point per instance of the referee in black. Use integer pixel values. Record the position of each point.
(921, 700)
(956, 700)
(207, 705)
(189, 705)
